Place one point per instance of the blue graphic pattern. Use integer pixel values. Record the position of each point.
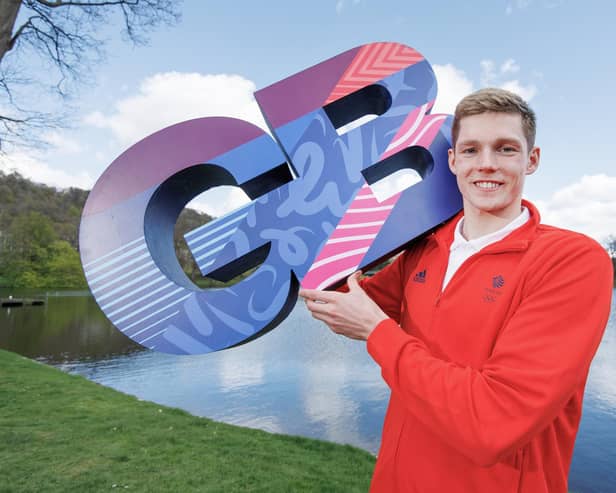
(144, 292)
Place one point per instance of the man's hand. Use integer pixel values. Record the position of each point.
(351, 314)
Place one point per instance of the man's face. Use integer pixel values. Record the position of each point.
(490, 160)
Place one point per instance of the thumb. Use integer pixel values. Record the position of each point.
(353, 281)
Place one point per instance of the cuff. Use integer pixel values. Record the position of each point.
(386, 341)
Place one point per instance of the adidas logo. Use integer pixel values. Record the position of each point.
(420, 276)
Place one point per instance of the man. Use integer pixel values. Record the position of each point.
(485, 329)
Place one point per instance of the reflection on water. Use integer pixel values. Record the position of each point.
(64, 328)
(298, 379)
(594, 459)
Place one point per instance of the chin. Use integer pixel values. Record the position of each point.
(490, 206)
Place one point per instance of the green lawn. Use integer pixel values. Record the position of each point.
(60, 432)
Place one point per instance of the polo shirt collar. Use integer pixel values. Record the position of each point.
(477, 244)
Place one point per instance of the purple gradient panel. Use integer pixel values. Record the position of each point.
(303, 92)
(163, 153)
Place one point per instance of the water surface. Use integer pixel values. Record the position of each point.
(298, 379)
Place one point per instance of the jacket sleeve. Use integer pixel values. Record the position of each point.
(540, 358)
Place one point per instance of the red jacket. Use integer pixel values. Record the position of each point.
(487, 377)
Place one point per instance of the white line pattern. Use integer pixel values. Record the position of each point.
(113, 252)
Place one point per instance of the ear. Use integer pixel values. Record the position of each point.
(533, 160)
(451, 158)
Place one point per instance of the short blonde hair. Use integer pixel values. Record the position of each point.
(496, 101)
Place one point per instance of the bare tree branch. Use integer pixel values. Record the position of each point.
(60, 3)
(610, 246)
(64, 36)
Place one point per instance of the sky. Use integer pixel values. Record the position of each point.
(557, 54)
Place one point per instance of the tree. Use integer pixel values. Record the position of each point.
(30, 236)
(188, 220)
(25, 253)
(65, 36)
(64, 267)
(610, 245)
(34, 257)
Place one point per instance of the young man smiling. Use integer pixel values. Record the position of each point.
(485, 329)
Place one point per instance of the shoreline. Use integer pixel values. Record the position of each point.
(63, 432)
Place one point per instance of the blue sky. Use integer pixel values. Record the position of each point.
(556, 53)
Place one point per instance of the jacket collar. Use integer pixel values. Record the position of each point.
(516, 240)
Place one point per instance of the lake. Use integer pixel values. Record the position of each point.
(298, 379)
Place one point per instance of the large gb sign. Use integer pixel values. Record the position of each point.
(313, 217)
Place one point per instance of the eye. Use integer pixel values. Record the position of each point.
(507, 149)
(469, 150)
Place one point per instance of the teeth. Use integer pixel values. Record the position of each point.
(486, 184)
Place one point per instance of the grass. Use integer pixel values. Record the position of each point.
(61, 432)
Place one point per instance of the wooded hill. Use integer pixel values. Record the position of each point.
(39, 234)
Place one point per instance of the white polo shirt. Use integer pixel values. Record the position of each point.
(461, 248)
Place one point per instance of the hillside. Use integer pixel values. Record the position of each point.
(39, 234)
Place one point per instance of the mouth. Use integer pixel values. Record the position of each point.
(488, 185)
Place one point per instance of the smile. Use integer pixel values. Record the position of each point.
(487, 185)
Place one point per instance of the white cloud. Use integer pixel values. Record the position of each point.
(453, 85)
(517, 4)
(235, 373)
(62, 144)
(33, 167)
(526, 92)
(587, 206)
(341, 3)
(523, 4)
(508, 66)
(219, 201)
(325, 401)
(493, 77)
(488, 73)
(172, 97)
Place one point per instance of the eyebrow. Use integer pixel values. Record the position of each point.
(466, 142)
(499, 141)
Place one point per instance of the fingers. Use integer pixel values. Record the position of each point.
(316, 296)
(328, 296)
(318, 306)
(353, 280)
(309, 294)
(320, 311)
(316, 301)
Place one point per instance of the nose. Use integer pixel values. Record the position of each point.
(486, 161)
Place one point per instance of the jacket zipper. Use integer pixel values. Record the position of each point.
(469, 261)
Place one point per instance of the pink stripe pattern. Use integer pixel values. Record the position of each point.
(373, 62)
(347, 246)
(351, 239)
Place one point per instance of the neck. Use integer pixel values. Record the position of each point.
(480, 223)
